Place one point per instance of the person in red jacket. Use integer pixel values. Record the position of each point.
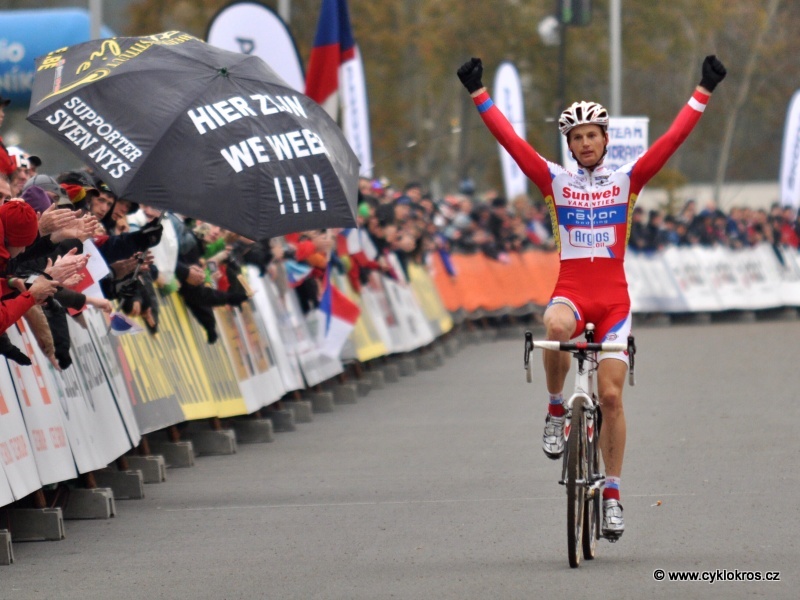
(19, 227)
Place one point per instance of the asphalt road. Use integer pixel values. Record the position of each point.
(436, 487)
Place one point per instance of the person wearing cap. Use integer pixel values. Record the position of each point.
(78, 186)
(100, 204)
(19, 228)
(402, 209)
(34, 162)
(115, 220)
(52, 188)
(37, 198)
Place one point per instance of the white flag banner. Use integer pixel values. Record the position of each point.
(790, 156)
(627, 141)
(101, 417)
(43, 419)
(265, 298)
(355, 111)
(16, 451)
(252, 28)
(6, 495)
(507, 95)
(99, 331)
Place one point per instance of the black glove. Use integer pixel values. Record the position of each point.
(713, 72)
(237, 298)
(470, 74)
(149, 235)
(11, 352)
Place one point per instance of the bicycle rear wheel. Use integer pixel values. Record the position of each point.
(576, 475)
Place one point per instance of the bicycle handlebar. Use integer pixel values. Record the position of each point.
(588, 346)
(580, 349)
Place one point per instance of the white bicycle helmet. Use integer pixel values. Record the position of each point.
(583, 113)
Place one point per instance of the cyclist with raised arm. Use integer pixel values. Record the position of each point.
(590, 212)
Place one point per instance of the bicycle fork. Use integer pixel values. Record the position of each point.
(593, 480)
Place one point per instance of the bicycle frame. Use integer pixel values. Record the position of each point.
(585, 381)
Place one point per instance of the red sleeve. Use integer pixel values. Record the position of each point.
(659, 153)
(7, 164)
(12, 310)
(531, 163)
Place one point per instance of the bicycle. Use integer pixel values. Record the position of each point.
(581, 470)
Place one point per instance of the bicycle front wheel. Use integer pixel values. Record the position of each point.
(576, 476)
(591, 514)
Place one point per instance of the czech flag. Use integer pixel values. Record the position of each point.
(339, 316)
(333, 46)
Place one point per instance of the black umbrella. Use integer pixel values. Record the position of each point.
(170, 121)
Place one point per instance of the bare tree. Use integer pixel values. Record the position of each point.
(741, 97)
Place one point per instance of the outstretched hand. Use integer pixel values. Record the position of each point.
(470, 74)
(713, 72)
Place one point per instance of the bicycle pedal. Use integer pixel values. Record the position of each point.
(612, 537)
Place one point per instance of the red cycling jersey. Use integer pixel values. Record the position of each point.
(591, 212)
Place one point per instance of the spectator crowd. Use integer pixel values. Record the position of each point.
(51, 224)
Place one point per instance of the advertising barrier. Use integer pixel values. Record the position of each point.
(678, 280)
(57, 424)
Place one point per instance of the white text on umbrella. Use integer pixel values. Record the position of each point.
(291, 186)
(285, 146)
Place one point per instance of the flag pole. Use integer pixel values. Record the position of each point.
(285, 10)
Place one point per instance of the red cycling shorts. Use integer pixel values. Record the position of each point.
(597, 292)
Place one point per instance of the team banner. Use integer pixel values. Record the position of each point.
(114, 367)
(157, 405)
(428, 299)
(366, 340)
(16, 450)
(252, 28)
(787, 269)
(185, 367)
(651, 286)
(696, 288)
(628, 140)
(251, 356)
(265, 297)
(384, 318)
(101, 416)
(316, 366)
(298, 333)
(68, 390)
(219, 394)
(43, 419)
(507, 92)
(412, 323)
(6, 495)
(790, 155)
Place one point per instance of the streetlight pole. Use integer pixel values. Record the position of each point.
(285, 10)
(615, 33)
(95, 18)
(561, 92)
